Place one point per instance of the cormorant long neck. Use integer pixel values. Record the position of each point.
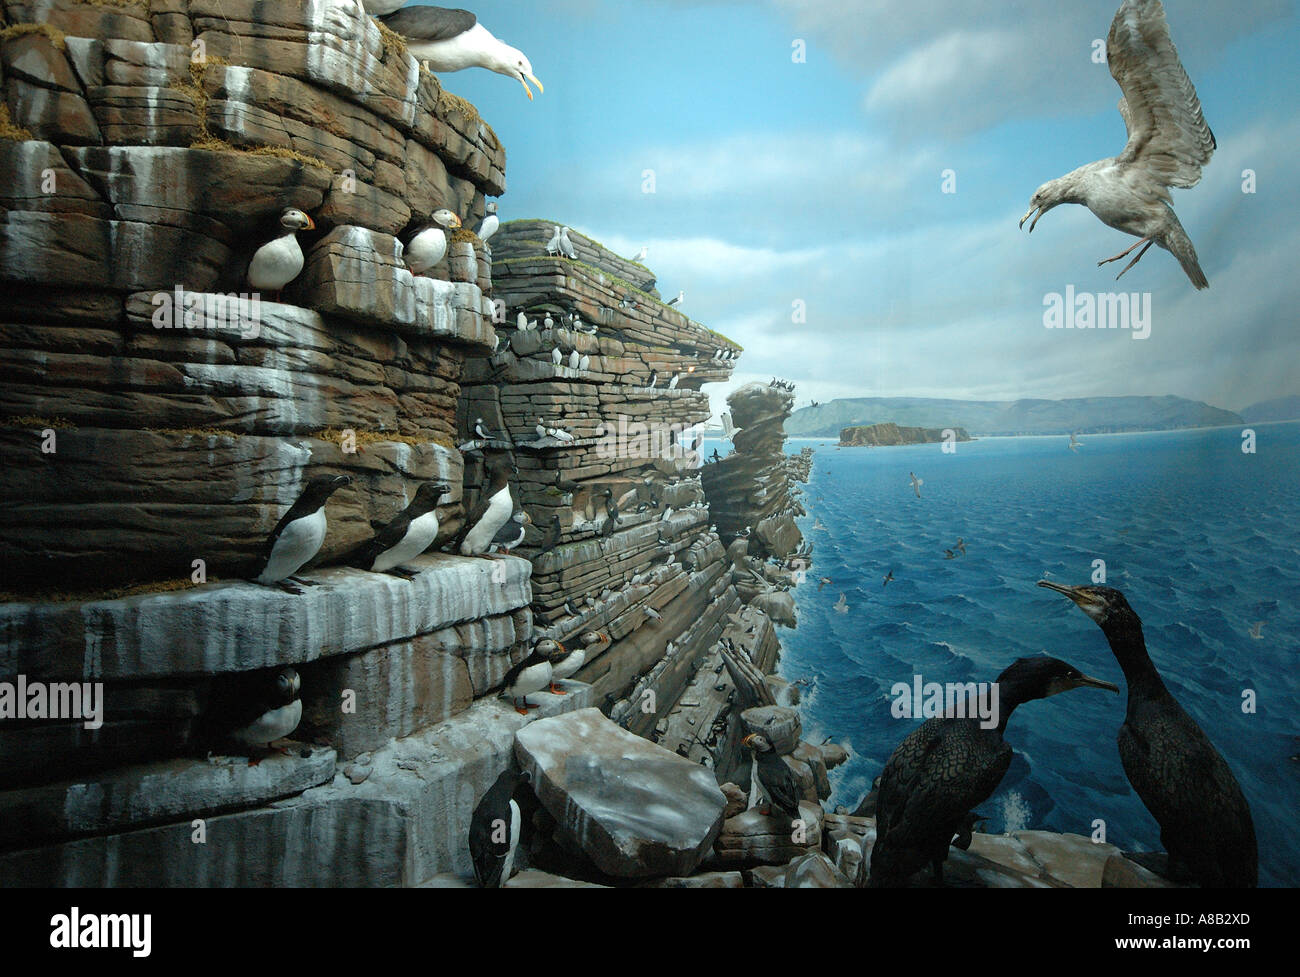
(1130, 650)
(1013, 691)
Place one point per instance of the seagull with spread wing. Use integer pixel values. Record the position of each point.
(1168, 144)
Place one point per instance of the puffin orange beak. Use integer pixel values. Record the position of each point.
(311, 224)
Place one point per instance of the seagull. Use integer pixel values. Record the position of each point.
(553, 245)
(640, 255)
(888, 577)
(678, 300)
(1075, 443)
(450, 40)
(490, 223)
(729, 429)
(566, 246)
(428, 244)
(1168, 144)
(916, 483)
(1257, 630)
(842, 605)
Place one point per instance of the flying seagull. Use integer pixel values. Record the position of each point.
(1168, 143)
(916, 483)
(450, 40)
(1075, 443)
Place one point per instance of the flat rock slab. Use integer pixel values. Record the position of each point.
(754, 838)
(117, 800)
(529, 878)
(634, 808)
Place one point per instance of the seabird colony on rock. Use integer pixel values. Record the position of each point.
(448, 39)
(1168, 143)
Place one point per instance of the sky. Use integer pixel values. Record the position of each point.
(782, 184)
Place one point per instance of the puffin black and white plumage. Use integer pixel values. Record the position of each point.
(406, 536)
(512, 533)
(494, 829)
(253, 710)
(567, 661)
(775, 776)
(279, 261)
(490, 223)
(448, 39)
(298, 536)
(494, 508)
(531, 675)
(426, 244)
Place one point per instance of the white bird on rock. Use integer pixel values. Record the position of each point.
(491, 222)
(574, 359)
(681, 295)
(556, 356)
(672, 384)
(448, 39)
(428, 244)
(521, 322)
(584, 364)
(553, 245)
(640, 256)
(279, 261)
(1168, 143)
(566, 246)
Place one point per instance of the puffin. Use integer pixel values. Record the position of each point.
(279, 261)
(531, 675)
(512, 533)
(490, 223)
(253, 710)
(775, 776)
(565, 663)
(298, 536)
(450, 40)
(406, 536)
(494, 509)
(426, 245)
(494, 829)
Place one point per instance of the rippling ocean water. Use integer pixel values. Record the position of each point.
(1203, 540)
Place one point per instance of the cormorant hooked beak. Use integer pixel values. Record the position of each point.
(1084, 597)
(1088, 682)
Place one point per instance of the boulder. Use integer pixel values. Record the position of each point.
(636, 810)
(814, 871)
(779, 724)
(753, 838)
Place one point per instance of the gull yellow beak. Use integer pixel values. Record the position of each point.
(527, 91)
(540, 89)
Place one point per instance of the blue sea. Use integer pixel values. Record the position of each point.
(1203, 539)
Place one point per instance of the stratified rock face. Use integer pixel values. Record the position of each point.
(879, 435)
(157, 145)
(635, 809)
(750, 489)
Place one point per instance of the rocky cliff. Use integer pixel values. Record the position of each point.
(878, 435)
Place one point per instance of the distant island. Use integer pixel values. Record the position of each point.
(882, 435)
(991, 418)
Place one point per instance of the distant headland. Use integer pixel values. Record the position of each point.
(882, 435)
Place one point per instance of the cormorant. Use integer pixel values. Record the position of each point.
(947, 766)
(1185, 783)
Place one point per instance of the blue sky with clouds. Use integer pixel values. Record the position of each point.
(779, 181)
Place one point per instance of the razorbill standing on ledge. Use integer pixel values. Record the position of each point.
(494, 829)
(493, 511)
(451, 40)
(279, 261)
(298, 536)
(531, 675)
(253, 710)
(427, 245)
(407, 536)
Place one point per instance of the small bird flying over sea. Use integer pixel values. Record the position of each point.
(916, 483)
(1168, 144)
(1205, 822)
(950, 764)
(298, 536)
(407, 536)
(888, 577)
(1075, 443)
(448, 39)
(279, 261)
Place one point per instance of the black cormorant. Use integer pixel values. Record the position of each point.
(947, 766)
(1185, 783)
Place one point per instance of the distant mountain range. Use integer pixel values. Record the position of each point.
(992, 418)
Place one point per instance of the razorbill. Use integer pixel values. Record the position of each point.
(279, 261)
(408, 534)
(494, 829)
(495, 506)
(297, 537)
